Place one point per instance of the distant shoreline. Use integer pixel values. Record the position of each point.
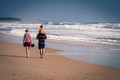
(9, 19)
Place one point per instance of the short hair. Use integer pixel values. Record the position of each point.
(26, 30)
(41, 26)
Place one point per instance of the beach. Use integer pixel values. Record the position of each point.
(15, 66)
(81, 40)
(97, 43)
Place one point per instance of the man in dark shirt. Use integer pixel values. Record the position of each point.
(41, 41)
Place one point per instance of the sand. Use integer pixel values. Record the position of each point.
(15, 66)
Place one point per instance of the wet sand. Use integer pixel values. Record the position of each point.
(15, 66)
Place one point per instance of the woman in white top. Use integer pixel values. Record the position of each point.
(27, 40)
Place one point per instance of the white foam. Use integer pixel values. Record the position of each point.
(17, 32)
(115, 49)
(88, 32)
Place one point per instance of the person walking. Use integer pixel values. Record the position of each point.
(27, 40)
(41, 37)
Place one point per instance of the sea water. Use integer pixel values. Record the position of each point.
(103, 39)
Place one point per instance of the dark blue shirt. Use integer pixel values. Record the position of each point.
(41, 38)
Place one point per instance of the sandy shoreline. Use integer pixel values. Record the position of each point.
(14, 66)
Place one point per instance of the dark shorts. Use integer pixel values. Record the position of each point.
(27, 44)
(41, 46)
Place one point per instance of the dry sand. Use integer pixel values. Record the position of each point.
(15, 66)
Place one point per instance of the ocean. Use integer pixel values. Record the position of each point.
(97, 43)
(108, 33)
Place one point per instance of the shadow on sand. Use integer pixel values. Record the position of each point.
(12, 56)
(18, 56)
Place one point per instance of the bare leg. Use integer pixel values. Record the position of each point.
(27, 51)
(41, 53)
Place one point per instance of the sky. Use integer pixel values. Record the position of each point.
(62, 10)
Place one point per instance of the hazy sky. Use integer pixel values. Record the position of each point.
(62, 10)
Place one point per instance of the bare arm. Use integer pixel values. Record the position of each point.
(36, 37)
(30, 38)
(24, 38)
(45, 37)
